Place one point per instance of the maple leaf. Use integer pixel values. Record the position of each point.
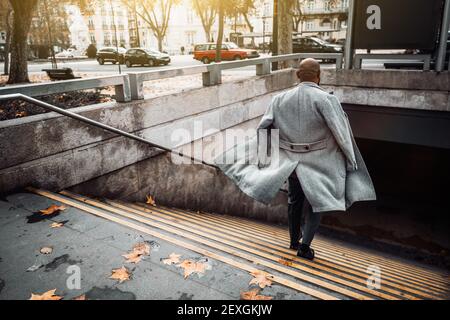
(139, 250)
(132, 257)
(52, 209)
(46, 250)
(173, 259)
(121, 274)
(82, 297)
(254, 295)
(285, 262)
(261, 278)
(151, 201)
(191, 267)
(49, 295)
(142, 248)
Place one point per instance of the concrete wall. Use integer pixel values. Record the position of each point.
(398, 89)
(55, 152)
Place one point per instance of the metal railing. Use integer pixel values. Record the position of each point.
(120, 82)
(130, 86)
(73, 115)
(212, 73)
(425, 58)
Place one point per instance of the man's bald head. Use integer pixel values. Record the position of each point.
(309, 70)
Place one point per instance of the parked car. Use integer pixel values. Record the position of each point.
(419, 65)
(206, 52)
(66, 54)
(315, 45)
(110, 54)
(148, 57)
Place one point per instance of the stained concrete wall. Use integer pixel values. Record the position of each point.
(56, 152)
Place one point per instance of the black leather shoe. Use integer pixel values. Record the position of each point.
(294, 246)
(305, 252)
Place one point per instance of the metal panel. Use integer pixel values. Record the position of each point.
(399, 24)
(418, 127)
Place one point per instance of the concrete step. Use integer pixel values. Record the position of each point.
(340, 271)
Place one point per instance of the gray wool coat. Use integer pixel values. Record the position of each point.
(333, 174)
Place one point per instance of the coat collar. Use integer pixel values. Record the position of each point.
(310, 84)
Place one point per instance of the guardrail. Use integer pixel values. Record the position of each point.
(130, 86)
(212, 73)
(120, 82)
(425, 58)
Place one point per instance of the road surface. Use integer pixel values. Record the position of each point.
(91, 67)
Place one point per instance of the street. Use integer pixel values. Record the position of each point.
(91, 67)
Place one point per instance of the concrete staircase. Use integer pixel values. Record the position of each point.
(340, 270)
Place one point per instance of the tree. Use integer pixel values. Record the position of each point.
(156, 13)
(285, 26)
(23, 13)
(297, 15)
(207, 11)
(244, 8)
(8, 25)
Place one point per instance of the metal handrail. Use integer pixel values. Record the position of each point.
(70, 114)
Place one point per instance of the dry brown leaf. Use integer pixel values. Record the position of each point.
(192, 267)
(56, 225)
(82, 297)
(173, 259)
(254, 295)
(151, 201)
(261, 278)
(49, 295)
(132, 257)
(285, 262)
(139, 250)
(46, 250)
(52, 209)
(142, 248)
(121, 274)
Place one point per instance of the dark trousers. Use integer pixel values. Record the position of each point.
(303, 222)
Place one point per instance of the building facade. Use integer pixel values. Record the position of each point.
(324, 19)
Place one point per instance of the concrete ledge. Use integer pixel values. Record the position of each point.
(56, 152)
(396, 98)
(387, 79)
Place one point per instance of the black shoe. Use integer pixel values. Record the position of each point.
(294, 246)
(305, 252)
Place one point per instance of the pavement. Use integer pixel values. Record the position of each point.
(96, 247)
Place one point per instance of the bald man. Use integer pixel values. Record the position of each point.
(318, 156)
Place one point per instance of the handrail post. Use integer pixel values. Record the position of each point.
(136, 86)
(263, 68)
(123, 91)
(213, 76)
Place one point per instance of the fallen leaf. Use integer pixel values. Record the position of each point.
(285, 262)
(142, 248)
(173, 259)
(56, 225)
(121, 274)
(52, 209)
(151, 201)
(21, 114)
(46, 250)
(254, 295)
(261, 278)
(82, 297)
(191, 267)
(139, 250)
(49, 295)
(132, 257)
